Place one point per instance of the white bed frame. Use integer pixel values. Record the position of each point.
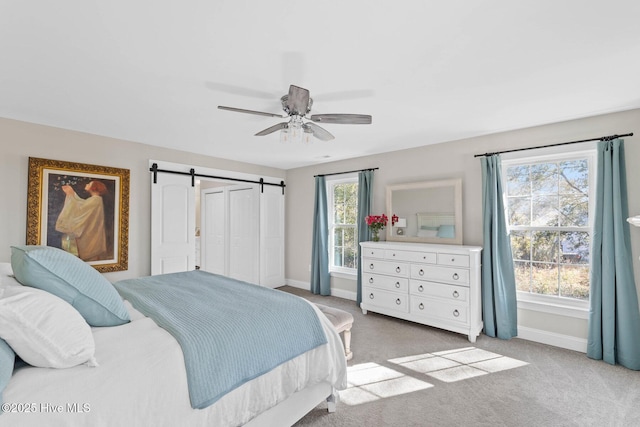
(296, 406)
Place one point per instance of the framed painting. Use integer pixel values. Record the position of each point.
(82, 209)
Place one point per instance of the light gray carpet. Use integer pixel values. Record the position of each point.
(555, 387)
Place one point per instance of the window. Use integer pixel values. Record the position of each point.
(548, 202)
(343, 229)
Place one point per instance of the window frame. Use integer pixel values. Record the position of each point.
(554, 304)
(330, 185)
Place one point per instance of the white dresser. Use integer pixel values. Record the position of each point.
(436, 285)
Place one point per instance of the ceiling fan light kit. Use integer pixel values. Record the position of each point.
(296, 131)
(297, 104)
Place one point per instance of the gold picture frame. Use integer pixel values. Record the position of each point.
(81, 208)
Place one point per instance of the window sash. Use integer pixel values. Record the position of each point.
(344, 251)
(558, 298)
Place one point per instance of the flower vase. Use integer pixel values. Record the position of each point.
(374, 235)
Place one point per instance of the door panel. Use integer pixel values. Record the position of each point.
(271, 237)
(214, 253)
(243, 234)
(172, 224)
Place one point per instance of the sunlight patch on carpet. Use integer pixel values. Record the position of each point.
(458, 364)
(369, 381)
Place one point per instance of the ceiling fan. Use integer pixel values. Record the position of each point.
(297, 104)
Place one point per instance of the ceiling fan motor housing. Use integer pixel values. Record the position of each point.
(292, 109)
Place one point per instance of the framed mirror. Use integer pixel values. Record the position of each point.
(427, 212)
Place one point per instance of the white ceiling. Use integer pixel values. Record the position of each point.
(154, 71)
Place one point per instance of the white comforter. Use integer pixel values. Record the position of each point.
(141, 381)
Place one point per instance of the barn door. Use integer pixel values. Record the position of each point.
(213, 229)
(271, 237)
(244, 255)
(172, 224)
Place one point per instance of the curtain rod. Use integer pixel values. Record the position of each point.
(342, 173)
(192, 173)
(602, 138)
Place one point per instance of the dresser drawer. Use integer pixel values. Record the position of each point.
(398, 269)
(391, 283)
(440, 274)
(439, 290)
(373, 253)
(453, 260)
(438, 309)
(411, 256)
(385, 299)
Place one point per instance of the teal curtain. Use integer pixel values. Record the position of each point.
(365, 200)
(320, 278)
(614, 319)
(499, 306)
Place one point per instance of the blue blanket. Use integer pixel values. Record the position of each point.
(230, 331)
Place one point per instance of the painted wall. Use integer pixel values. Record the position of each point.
(20, 140)
(456, 160)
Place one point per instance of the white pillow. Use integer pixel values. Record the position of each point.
(6, 275)
(427, 233)
(44, 330)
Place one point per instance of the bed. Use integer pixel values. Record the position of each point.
(139, 373)
(436, 225)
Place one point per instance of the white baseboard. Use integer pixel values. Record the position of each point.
(297, 284)
(551, 338)
(340, 293)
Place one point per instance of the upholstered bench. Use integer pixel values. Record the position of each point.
(342, 322)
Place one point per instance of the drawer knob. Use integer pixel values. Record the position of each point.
(455, 276)
(370, 279)
(453, 260)
(393, 255)
(421, 272)
(420, 288)
(371, 266)
(398, 302)
(398, 285)
(456, 294)
(398, 269)
(371, 296)
(456, 313)
(421, 306)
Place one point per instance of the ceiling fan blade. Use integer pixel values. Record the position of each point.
(272, 129)
(318, 132)
(242, 110)
(344, 119)
(298, 100)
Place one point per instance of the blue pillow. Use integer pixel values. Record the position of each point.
(7, 359)
(447, 231)
(68, 277)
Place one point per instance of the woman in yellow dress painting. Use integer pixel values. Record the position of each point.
(82, 222)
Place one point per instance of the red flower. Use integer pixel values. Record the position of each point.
(376, 222)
